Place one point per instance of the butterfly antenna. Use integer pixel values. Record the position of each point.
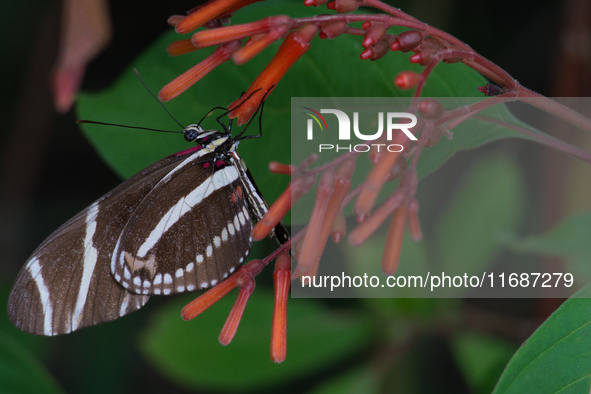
(128, 127)
(211, 112)
(156, 98)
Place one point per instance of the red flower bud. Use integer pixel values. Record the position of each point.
(407, 41)
(406, 80)
(343, 6)
(314, 3)
(377, 51)
(374, 34)
(333, 29)
(426, 51)
(490, 90)
(430, 108)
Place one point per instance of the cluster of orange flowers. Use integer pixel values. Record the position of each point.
(333, 192)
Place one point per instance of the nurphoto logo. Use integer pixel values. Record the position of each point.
(344, 133)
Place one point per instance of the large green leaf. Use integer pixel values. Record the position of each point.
(326, 70)
(556, 358)
(189, 352)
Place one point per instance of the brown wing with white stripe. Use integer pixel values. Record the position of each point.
(189, 233)
(67, 283)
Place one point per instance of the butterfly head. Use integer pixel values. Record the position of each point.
(196, 133)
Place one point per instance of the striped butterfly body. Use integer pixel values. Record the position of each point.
(182, 224)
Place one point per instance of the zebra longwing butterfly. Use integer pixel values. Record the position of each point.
(182, 224)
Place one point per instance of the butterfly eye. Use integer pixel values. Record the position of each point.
(192, 132)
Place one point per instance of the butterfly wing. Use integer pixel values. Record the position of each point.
(190, 232)
(67, 283)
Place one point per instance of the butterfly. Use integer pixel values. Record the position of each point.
(182, 224)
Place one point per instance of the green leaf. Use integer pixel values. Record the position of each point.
(487, 204)
(20, 372)
(556, 358)
(570, 238)
(481, 359)
(469, 135)
(189, 352)
(316, 74)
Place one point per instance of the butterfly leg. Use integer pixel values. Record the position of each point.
(260, 108)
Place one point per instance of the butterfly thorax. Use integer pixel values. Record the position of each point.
(220, 143)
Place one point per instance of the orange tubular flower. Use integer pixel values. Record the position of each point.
(209, 11)
(360, 234)
(338, 228)
(246, 283)
(282, 281)
(174, 19)
(281, 168)
(206, 38)
(296, 189)
(207, 299)
(376, 179)
(316, 237)
(309, 253)
(180, 47)
(249, 51)
(391, 255)
(294, 46)
(216, 293)
(195, 73)
(414, 226)
(273, 216)
(342, 186)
